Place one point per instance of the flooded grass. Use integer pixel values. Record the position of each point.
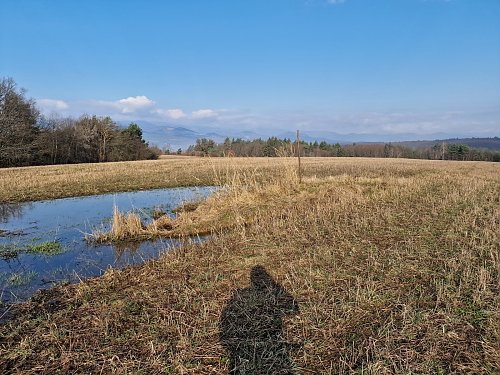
(8, 251)
(187, 207)
(20, 278)
(46, 248)
(49, 248)
(42, 237)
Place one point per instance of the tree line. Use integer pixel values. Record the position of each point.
(286, 147)
(28, 138)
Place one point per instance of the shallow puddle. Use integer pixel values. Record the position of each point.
(29, 232)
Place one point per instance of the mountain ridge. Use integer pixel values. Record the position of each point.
(172, 136)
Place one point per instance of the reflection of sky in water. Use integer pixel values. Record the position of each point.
(66, 221)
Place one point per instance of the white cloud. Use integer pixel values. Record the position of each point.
(204, 113)
(129, 105)
(422, 123)
(134, 103)
(336, 1)
(174, 114)
(52, 105)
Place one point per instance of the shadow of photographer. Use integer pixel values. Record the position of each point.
(251, 327)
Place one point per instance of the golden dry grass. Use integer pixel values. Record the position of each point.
(394, 264)
(49, 182)
(243, 193)
(59, 181)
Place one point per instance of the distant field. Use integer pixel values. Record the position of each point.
(393, 266)
(49, 182)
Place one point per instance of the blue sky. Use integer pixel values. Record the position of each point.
(361, 66)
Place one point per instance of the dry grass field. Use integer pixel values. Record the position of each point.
(369, 266)
(59, 181)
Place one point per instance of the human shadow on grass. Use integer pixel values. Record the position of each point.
(251, 327)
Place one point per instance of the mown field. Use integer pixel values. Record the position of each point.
(369, 266)
(59, 181)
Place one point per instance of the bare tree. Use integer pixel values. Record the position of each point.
(18, 125)
(106, 128)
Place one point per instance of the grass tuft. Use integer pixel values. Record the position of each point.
(45, 248)
(20, 278)
(48, 248)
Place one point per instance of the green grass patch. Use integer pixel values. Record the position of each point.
(9, 251)
(20, 278)
(45, 248)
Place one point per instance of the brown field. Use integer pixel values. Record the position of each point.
(384, 266)
(59, 181)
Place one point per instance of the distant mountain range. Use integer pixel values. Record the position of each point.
(174, 137)
(171, 136)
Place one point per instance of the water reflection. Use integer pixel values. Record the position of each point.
(65, 222)
(8, 210)
(122, 248)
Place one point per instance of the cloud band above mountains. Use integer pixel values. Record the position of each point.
(134, 108)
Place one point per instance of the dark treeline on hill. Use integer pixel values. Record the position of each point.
(492, 143)
(286, 147)
(27, 138)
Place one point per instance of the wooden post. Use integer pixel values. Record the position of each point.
(298, 156)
